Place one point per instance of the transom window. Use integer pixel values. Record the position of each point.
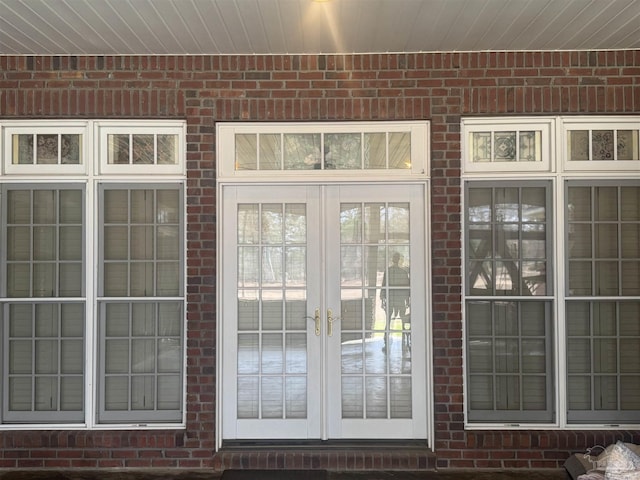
(573, 228)
(591, 144)
(507, 145)
(91, 276)
(348, 148)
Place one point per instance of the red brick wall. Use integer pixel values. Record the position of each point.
(203, 90)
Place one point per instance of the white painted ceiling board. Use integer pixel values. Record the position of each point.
(246, 27)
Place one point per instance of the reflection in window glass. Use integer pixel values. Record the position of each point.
(323, 151)
(342, 151)
(399, 150)
(167, 149)
(118, 151)
(142, 151)
(49, 149)
(246, 151)
(375, 150)
(302, 151)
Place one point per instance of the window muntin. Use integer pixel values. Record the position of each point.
(47, 149)
(509, 146)
(507, 239)
(603, 229)
(603, 336)
(600, 144)
(141, 341)
(603, 361)
(43, 341)
(141, 361)
(50, 275)
(338, 149)
(504, 145)
(509, 336)
(43, 374)
(597, 373)
(509, 361)
(44, 241)
(142, 245)
(141, 149)
(43, 147)
(607, 145)
(319, 151)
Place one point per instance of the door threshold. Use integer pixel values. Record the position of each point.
(348, 444)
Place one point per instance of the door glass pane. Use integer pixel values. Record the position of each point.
(375, 316)
(272, 310)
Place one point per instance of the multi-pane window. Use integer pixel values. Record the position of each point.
(492, 145)
(42, 340)
(603, 306)
(509, 341)
(337, 149)
(91, 277)
(552, 304)
(141, 340)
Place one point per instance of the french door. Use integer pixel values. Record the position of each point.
(323, 312)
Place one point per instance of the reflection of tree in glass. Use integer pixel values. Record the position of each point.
(302, 151)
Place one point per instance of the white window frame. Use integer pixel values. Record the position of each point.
(111, 127)
(560, 170)
(544, 125)
(225, 140)
(45, 128)
(89, 174)
(597, 123)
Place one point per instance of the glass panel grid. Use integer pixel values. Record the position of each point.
(44, 375)
(507, 241)
(602, 226)
(323, 151)
(603, 144)
(141, 360)
(603, 361)
(495, 146)
(47, 149)
(45, 245)
(141, 242)
(509, 348)
(142, 149)
(375, 317)
(272, 319)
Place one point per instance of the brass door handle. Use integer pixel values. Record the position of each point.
(330, 320)
(316, 319)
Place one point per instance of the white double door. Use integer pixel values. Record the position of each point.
(323, 305)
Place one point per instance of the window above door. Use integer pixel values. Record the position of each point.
(276, 151)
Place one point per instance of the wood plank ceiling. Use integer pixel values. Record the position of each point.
(238, 27)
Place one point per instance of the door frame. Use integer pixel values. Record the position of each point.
(228, 175)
